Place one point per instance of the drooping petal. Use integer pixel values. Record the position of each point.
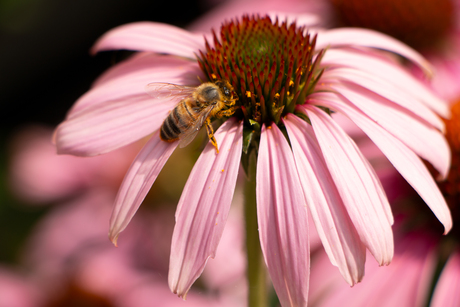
(403, 159)
(130, 77)
(387, 70)
(424, 140)
(282, 218)
(203, 207)
(105, 127)
(371, 38)
(446, 293)
(357, 184)
(137, 182)
(151, 36)
(385, 89)
(337, 233)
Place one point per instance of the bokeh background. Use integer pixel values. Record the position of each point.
(45, 66)
(54, 210)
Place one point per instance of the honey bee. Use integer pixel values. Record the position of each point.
(196, 107)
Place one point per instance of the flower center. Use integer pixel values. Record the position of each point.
(270, 65)
(419, 23)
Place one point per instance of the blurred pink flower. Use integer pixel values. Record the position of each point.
(73, 227)
(446, 293)
(280, 85)
(446, 61)
(17, 290)
(38, 175)
(411, 280)
(406, 282)
(69, 259)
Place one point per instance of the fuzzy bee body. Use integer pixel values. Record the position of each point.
(179, 120)
(197, 106)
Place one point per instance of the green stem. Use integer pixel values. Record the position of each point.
(257, 281)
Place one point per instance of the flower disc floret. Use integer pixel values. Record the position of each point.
(271, 65)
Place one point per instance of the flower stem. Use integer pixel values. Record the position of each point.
(256, 272)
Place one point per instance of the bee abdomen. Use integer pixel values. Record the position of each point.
(175, 122)
(169, 130)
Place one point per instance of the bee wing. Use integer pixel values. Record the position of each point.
(160, 90)
(189, 134)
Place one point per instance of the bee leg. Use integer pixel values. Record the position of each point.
(231, 103)
(227, 112)
(211, 134)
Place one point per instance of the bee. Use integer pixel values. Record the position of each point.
(196, 107)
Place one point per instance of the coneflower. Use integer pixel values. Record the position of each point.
(289, 82)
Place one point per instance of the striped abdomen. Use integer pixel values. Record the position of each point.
(182, 117)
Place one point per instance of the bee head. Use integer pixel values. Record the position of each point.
(225, 87)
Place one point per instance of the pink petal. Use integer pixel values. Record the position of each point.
(403, 159)
(105, 127)
(137, 183)
(385, 89)
(339, 237)
(231, 9)
(387, 70)
(282, 218)
(370, 38)
(17, 290)
(151, 36)
(356, 182)
(424, 140)
(405, 282)
(203, 207)
(301, 19)
(131, 76)
(446, 293)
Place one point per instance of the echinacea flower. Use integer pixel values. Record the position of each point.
(288, 82)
